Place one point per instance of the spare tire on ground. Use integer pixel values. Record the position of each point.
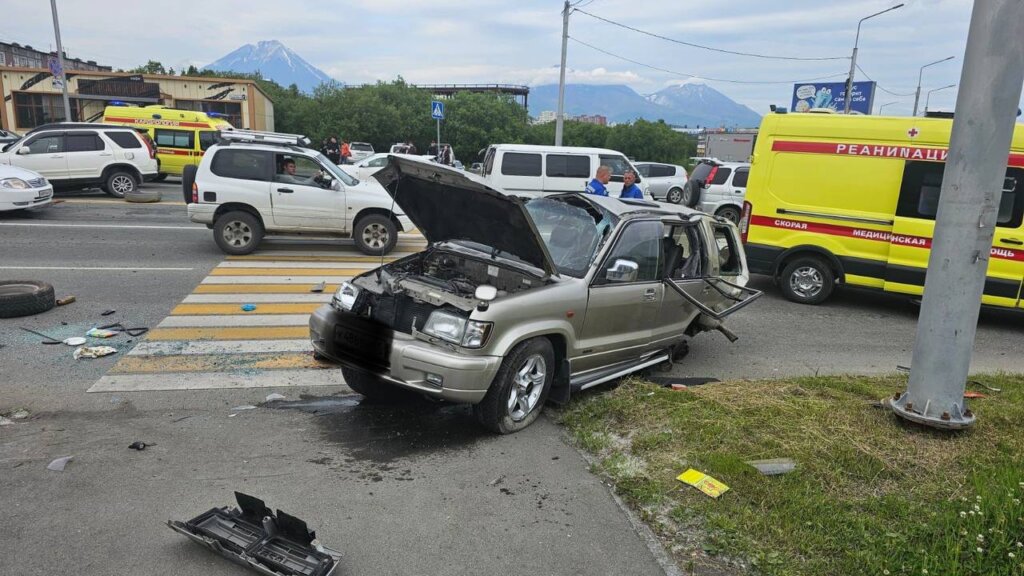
(24, 298)
(188, 176)
(143, 196)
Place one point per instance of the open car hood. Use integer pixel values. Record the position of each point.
(448, 204)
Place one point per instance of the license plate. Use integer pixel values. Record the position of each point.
(43, 195)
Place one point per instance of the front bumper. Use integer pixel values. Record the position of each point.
(24, 199)
(202, 213)
(399, 358)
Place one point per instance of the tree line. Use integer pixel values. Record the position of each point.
(389, 112)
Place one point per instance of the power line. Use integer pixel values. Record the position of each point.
(836, 75)
(702, 47)
(877, 85)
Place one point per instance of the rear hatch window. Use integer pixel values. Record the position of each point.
(701, 171)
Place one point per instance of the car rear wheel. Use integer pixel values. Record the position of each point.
(238, 233)
(691, 193)
(119, 183)
(807, 280)
(188, 176)
(731, 213)
(520, 388)
(375, 235)
(675, 195)
(24, 298)
(373, 388)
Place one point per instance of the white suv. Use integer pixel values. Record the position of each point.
(718, 188)
(665, 181)
(256, 183)
(80, 155)
(359, 151)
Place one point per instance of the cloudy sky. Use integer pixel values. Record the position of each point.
(488, 41)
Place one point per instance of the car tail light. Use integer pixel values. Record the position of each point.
(745, 221)
(711, 175)
(149, 146)
(195, 193)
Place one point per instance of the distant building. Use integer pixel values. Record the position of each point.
(545, 117)
(18, 56)
(592, 119)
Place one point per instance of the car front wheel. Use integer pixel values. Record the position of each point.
(807, 280)
(520, 388)
(375, 235)
(238, 233)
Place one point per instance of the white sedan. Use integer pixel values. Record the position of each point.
(366, 167)
(21, 189)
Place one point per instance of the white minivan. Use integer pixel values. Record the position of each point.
(531, 170)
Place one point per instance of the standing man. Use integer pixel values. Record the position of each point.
(597, 185)
(346, 152)
(432, 150)
(629, 187)
(333, 151)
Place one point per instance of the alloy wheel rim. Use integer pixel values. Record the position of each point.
(237, 233)
(376, 236)
(674, 196)
(527, 386)
(806, 281)
(122, 184)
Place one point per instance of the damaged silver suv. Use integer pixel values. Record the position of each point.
(515, 303)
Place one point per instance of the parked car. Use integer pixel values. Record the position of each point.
(515, 302)
(366, 167)
(79, 155)
(664, 181)
(243, 189)
(359, 151)
(718, 188)
(6, 137)
(22, 189)
(530, 170)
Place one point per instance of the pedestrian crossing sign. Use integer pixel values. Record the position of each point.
(437, 110)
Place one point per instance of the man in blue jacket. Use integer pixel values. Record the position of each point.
(597, 185)
(629, 187)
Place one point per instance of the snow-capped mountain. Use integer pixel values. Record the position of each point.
(274, 61)
(691, 104)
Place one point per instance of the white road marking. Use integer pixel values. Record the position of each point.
(255, 298)
(326, 252)
(275, 279)
(231, 321)
(300, 264)
(219, 380)
(93, 268)
(166, 348)
(113, 226)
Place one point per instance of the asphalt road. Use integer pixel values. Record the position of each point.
(399, 490)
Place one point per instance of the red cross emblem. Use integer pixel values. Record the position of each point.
(912, 132)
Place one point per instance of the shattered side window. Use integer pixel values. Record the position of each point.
(572, 233)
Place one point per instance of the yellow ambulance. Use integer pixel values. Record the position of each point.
(836, 199)
(181, 136)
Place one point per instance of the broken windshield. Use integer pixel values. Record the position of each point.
(572, 229)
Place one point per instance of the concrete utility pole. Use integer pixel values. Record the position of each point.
(560, 118)
(917, 95)
(60, 59)
(968, 205)
(853, 59)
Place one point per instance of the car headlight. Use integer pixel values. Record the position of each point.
(14, 184)
(345, 297)
(457, 330)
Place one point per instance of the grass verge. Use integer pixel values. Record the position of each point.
(871, 494)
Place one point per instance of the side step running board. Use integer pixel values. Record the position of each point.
(616, 371)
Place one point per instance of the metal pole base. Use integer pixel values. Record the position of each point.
(959, 416)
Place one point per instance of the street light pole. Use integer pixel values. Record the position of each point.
(965, 224)
(853, 59)
(880, 108)
(560, 118)
(917, 95)
(60, 60)
(929, 95)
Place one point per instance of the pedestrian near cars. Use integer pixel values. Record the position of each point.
(629, 187)
(598, 185)
(410, 147)
(432, 150)
(333, 151)
(346, 152)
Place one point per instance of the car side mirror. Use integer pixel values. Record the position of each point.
(623, 270)
(336, 185)
(23, 151)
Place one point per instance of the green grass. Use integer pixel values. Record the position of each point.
(871, 494)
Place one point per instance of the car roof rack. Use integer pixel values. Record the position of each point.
(258, 137)
(78, 126)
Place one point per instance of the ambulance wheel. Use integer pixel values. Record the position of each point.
(807, 280)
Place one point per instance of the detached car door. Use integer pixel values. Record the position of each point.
(624, 298)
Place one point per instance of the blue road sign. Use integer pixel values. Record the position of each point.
(437, 110)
